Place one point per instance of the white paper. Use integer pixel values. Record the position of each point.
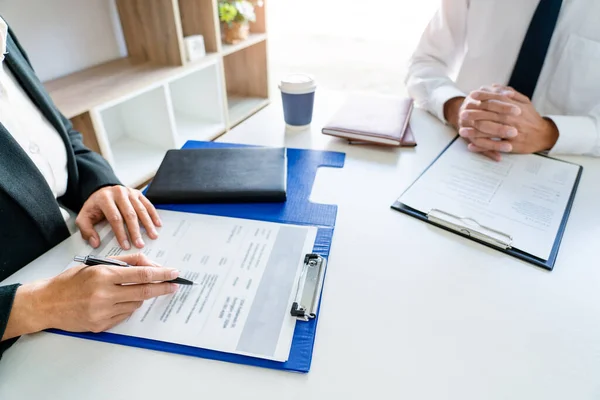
(524, 196)
(247, 273)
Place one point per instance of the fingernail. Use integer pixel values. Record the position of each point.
(174, 274)
(126, 244)
(464, 115)
(511, 133)
(463, 132)
(506, 147)
(94, 242)
(154, 232)
(140, 243)
(173, 288)
(158, 222)
(508, 93)
(516, 111)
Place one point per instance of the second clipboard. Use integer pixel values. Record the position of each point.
(488, 236)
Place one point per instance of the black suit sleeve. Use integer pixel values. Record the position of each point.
(93, 171)
(7, 296)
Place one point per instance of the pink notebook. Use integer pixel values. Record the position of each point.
(373, 119)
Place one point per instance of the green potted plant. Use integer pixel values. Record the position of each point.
(235, 17)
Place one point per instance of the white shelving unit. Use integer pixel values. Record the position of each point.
(135, 134)
(197, 103)
(135, 131)
(132, 110)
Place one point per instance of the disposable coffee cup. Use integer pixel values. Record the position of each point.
(298, 96)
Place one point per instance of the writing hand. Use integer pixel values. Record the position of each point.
(122, 207)
(86, 298)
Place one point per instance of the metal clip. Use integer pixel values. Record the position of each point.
(470, 227)
(309, 287)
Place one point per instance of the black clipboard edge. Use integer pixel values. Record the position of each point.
(539, 262)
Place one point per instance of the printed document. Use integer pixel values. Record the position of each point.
(524, 196)
(247, 273)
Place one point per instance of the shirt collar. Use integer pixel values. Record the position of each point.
(3, 38)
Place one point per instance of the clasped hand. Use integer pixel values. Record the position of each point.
(498, 119)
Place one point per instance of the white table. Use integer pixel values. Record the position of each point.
(409, 311)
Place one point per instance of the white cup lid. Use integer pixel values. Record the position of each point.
(298, 84)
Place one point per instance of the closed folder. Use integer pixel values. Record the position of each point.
(220, 175)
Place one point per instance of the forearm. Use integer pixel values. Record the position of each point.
(577, 135)
(25, 315)
(94, 172)
(440, 49)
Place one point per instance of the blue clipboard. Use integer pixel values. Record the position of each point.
(546, 264)
(298, 210)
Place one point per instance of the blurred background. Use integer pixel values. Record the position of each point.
(122, 71)
(347, 44)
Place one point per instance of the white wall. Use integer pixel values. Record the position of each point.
(64, 36)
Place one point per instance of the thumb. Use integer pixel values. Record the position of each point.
(88, 233)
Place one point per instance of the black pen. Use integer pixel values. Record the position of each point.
(93, 260)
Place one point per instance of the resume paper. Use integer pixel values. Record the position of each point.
(246, 273)
(523, 196)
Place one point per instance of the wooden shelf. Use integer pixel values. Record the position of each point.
(241, 107)
(253, 39)
(82, 91)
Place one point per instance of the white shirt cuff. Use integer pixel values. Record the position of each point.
(440, 96)
(576, 135)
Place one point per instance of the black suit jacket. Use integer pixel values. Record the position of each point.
(30, 218)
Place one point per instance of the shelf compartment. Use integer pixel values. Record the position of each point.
(258, 31)
(246, 81)
(253, 39)
(85, 90)
(199, 17)
(152, 30)
(198, 105)
(138, 132)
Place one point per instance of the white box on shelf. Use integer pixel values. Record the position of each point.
(137, 132)
(198, 105)
(194, 47)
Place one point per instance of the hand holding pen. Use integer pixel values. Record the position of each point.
(93, 260)
(91, 298)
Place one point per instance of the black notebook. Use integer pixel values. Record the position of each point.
(223, 175)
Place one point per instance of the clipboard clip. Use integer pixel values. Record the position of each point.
(308, 292)
(470, 227)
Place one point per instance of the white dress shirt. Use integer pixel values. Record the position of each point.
(474, 43)
(28, 126)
